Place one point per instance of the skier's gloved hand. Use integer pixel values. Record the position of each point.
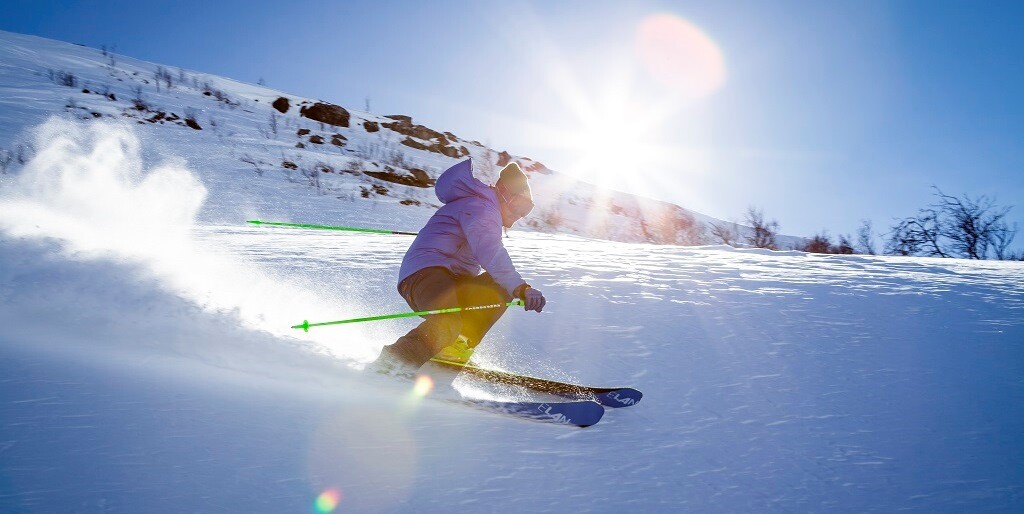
(533, 298)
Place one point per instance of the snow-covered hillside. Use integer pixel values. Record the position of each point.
(238, 135)
(147, 364)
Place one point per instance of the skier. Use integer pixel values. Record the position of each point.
(442, 268)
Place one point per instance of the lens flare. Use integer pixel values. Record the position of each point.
(424, 384)
(327, 501)
(680, 55)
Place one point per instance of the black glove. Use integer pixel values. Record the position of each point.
(532, 298)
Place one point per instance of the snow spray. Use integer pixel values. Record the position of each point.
(89, 189)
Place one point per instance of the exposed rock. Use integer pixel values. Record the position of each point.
(317, 140)
(451, 151)
(418, 178)
(503, 159)
(420, 175)
(327, 113)
(302, 132)
(409, 201)
(405, 127)
(289, 165)
(192, 124)
(371, 126)
(400, 117)
(299, 145)
(381, 190)
(338, 140)
(411, 143)
(536, 166)
(281, 104)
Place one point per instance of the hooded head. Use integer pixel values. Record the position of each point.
(514, 194)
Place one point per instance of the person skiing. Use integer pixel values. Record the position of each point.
(442, 268)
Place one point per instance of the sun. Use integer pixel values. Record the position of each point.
(627, 108)
(614, 142)
(620, 126)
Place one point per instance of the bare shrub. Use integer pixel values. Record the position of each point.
(256, 164)
(763, 232)
(163, 75)
(966, 227)
(724, 233)
(354, 166)
(63, 78)
(552, 218)
(108, 52)
(270, 131)
(819, 243)
(865, 238)
(138, 99)
(844, 246)
(312, 174)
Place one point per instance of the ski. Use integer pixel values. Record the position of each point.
(613, 397)
(582, 413)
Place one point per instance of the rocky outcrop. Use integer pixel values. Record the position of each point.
(371, 126)
(404, 125)
(420, 137)
(281, 104)
(326, 113)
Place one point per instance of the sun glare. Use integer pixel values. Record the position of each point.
(680, 55)
(620, 126)
(627, 108)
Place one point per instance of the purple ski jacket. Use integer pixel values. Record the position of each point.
(465, 233)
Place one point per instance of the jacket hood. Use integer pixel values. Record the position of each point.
(458, 182)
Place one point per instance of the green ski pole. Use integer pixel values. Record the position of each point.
(306, 324)
(331, 227)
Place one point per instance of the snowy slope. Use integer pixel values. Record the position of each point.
(238, 140)
(148, 366)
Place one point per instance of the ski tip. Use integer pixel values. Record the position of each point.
(254, 222)
(620, 397)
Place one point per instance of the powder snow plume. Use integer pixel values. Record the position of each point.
(89, 189)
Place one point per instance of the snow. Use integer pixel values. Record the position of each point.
(147, 365)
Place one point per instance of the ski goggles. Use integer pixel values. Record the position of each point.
(518, 205)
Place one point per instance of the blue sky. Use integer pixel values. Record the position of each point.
(829, 112)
